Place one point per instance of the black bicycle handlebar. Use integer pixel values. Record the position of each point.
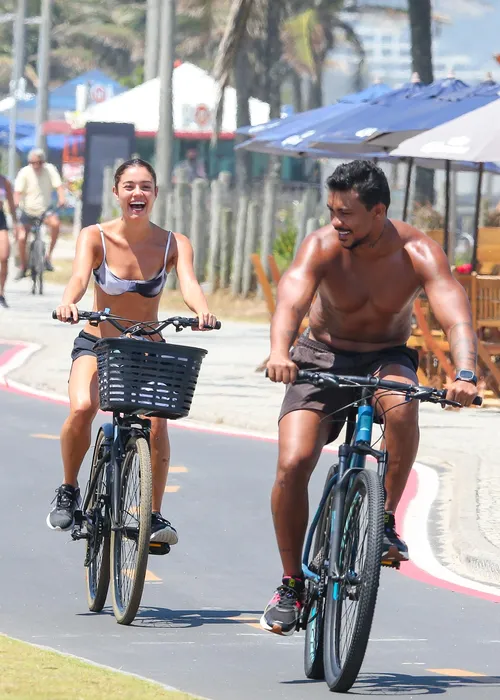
(422, 393)
(413, 391)
(144, 328)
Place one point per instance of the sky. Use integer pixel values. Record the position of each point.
(474, 29)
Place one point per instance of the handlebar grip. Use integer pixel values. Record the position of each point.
(478, 401)
(54, 315)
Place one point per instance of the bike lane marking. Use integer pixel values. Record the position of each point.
(413, 510)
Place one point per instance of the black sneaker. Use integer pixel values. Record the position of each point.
(395, 549)
(62, 516)
(162, 530)
(3, 302)
(48, 265)
(283, 610)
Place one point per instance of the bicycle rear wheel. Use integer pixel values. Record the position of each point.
(315, 595)
(350, 603)
(98, 528)
(130, 542)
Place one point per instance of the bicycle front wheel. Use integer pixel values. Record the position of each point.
(98, 529)
(130, 541)
(37, 264)
(350, 602)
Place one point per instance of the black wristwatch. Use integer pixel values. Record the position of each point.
(466, 375)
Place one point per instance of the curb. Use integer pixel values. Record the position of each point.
(462, 545)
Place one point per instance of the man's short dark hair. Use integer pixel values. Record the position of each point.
(365, 178)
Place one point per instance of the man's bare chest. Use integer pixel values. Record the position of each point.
(387, 287)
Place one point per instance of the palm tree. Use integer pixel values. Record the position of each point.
(85, 34)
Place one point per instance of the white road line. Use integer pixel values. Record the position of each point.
(416, 533)
(19, 359)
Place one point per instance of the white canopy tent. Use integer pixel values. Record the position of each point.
(194, 93)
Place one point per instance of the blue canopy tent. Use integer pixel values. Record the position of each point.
(63, 98)
(55, 142)
(22, 129)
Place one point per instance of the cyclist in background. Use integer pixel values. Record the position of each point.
(6, 195)
(365, 270)
(129, 259)
(33, 195)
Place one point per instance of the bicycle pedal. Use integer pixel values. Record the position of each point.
(159, 548)
(391, 564)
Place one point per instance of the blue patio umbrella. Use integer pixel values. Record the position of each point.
(354, 133)
(296, 135)
(304, 120)
(423, 116)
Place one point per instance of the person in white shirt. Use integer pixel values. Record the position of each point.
(33, 195)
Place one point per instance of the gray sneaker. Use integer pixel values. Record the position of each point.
(62, 516)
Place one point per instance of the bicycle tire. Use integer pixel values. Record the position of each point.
(127, 584)
(37, 264)
(98, 546)
(314, 625)
(340, 674)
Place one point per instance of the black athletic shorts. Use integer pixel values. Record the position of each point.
(312, 355)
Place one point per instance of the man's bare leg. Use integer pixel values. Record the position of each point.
(54, 226)
(401, 433)
(401, 441)
(302, 436)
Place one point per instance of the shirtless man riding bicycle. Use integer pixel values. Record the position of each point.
(363, 272)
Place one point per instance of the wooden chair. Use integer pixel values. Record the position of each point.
(437, 235)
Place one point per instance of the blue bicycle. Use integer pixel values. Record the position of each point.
(342, 568)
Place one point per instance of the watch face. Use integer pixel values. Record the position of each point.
(466, 375)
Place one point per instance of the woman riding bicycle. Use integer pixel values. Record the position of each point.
(130, 259)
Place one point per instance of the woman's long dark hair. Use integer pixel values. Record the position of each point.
(134, 163)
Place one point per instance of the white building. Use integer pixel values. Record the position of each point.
(387, 44)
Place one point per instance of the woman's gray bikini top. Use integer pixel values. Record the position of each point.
(113, 285)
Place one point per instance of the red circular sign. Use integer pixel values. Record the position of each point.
(98, 93)
(202, 115)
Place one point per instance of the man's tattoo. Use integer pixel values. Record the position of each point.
(463, 345)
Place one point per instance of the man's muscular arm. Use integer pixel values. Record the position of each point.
(451, 307)
(294, 296)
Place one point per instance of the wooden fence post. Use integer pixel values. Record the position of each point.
(239, 245)
(225, 246)
(214, 240)
(198, 226)
(250, 246)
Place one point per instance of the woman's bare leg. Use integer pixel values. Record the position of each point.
(77, 429)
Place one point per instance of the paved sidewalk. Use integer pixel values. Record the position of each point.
(461, 445)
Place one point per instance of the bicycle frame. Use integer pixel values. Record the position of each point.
(115, 436)
(352, 457)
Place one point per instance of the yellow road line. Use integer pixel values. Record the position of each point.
(177, 470)
(458, 672)
(151, 577)
(43, 436)
(171, 489)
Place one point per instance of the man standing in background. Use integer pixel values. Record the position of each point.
(33, 195)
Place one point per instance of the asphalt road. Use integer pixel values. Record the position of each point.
(197, 628)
